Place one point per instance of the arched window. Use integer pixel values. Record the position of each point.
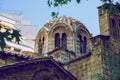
(80, 43)
(57, 40)
(114, 29)
(64, 41)
(119, 23)
(40, 47)
(85, 45)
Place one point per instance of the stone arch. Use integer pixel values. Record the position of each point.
(47, 29)
(60, 28)
(83, 28)
(63, 27)
(82, 42)
(53, 26)
(44, 74)
(41, 39)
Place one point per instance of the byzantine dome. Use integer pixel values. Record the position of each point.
(71, 22)
(60, 27)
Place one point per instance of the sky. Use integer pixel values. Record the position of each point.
(38, 12)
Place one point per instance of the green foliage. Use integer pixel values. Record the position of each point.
(107, 1)
(112, 61)
(3, 35)
(6, 35)
(58, 3)
(78, 1)
(2, 41)
(116, 73)
(16, 35)
(111, 8)
(54, 14)
(108, 5)
(100, 77)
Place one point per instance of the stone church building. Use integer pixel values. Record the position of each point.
(65, 50)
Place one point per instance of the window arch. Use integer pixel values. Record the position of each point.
(85, 45)
(80, 43)
(40, 47)
(114, 28)
(57, 40)
(64, 40)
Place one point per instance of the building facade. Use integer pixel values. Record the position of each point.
(13, 51)
(16, 21)
(68, 41)
(65, 48)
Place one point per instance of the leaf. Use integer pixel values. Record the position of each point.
(100, 77)
(78, 1)
(2, 43)
(54, 14)
(16, 35)
(116, 73)
(56, 4)
(69, 0)
(7, 35)
(49, 3)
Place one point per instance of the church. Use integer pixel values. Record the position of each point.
(65, 50)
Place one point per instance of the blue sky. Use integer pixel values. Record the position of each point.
(38, 13)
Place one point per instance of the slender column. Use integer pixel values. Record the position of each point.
(47, 43)
(73, 41)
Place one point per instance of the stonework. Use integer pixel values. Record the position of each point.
(7, 58)
(109, 23)
(89, 58)
(70, 44)
(71, 27)
(37, 69)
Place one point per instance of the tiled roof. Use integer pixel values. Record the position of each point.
(68, 20)
(24, 54)
(39, 61)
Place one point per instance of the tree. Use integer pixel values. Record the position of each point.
(5, 34)
(107, 5)
(16, 35)
(112, 7)
(111, 61)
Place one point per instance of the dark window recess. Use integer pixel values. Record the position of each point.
(85, 45)
(80, 43)
(113, 28)
(119, 23)
(40, 48)
(119, 29)
(57, 40)
(64, 41)
(41, 45)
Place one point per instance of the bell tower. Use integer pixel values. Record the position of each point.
(109, 23)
